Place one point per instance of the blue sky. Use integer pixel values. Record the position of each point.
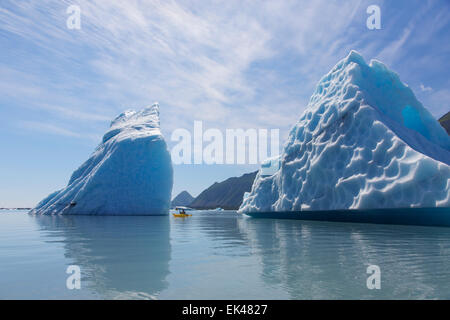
(231, 64)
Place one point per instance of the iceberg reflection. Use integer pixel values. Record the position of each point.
(322, 260)
(119, 256)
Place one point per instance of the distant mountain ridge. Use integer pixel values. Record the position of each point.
(445, 122)
(184, 199)
(227, 194)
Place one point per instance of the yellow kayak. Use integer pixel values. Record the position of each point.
(181, 215)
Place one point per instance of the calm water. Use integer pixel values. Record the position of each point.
(214, 255)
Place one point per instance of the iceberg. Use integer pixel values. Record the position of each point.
(363, 142)
(130, 172)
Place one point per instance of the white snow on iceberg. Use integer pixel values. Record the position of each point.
(364, 141)
(130, 172)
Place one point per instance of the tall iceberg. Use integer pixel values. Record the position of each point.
(130, 172)
(363, 142)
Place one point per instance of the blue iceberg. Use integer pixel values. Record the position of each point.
(130, 172)
(363, 142)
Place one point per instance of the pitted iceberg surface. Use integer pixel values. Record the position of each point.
(364, 141)
(130, 172)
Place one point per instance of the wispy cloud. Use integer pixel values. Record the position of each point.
(53, 129)
(250, 63)
(424, 88)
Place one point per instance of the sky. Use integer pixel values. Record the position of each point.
(231, 64)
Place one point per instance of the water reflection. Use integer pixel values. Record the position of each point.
(223, 232)
(120, 257)
(314, 260)
(223, 255)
